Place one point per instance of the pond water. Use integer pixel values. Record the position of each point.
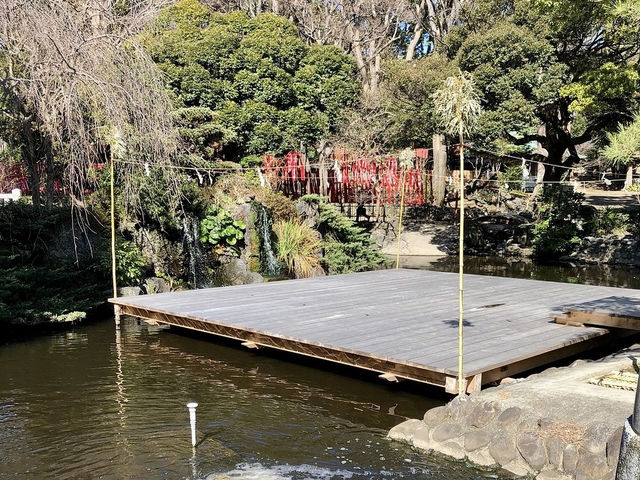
(94, 403)
(86, 404)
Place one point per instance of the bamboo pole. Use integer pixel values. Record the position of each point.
(116, 308)
(404, 176)
(461, 386)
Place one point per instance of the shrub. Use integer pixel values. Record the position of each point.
(608, 221)
(511, 179)
(280, 207)
(347, 247)
(129, 263)
(221, 231)
(560, 220)
(298, 247)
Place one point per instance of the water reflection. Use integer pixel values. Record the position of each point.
(602, 274)
(97, 405)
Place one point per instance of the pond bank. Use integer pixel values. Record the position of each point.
(557, 424)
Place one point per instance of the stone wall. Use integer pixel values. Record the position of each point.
(516, 439)
(611, 249)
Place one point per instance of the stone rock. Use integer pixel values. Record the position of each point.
(531, 447)
(591, 466)
(554, 446)
(596, 437)
(503, 449)
(421, 437)
(569, 458)
(552, 475)
(405, 430)
(318, 272)
(476, 439)
(482, 414)
(546, 423)
(459, 408)
(446, 431)
(235, 271)
(518, 467)
(309, 212)
(509, 416)
(435, 415)
(613, 447)
(452, 449)
(160, 253)
(481, 457)
(156, 285)
(129, 291)
(254, 277)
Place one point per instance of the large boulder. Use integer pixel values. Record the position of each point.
(235, 271)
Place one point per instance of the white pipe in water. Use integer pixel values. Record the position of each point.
(192, 420)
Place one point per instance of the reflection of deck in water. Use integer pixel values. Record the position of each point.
(398, 322)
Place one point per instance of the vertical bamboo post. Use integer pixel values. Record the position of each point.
(461, 386)
(116, 308)
(404, 176)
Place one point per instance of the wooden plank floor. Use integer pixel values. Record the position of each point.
(402, 322)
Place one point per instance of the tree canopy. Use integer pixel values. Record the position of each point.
(247, 86)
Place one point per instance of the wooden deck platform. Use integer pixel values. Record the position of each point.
(400, 323)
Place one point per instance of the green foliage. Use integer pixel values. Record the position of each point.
(221, 231)
(457, 105)
(246, 86)
(347, 248)
(408, 89)
(35, 287)
(624, 145)
(298, 247)
(129, 263)
(280, 207)
(518, 76)
(511, 178)
(560, 221)
(608, 220)
(604, 89)
(38, 294)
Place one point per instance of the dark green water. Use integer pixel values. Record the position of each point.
(604, 275)
(92, 404)
(89, 405)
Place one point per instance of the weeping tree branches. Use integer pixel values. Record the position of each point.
(76, 82)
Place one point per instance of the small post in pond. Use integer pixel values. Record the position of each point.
(192, 420)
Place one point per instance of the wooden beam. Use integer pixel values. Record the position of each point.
(603, 319)
(383, 366)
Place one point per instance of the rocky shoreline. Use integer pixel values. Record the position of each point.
(555, 425)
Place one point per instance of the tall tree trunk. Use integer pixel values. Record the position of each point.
(439, 169)
(29, 152)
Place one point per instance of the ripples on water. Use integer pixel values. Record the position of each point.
(87, 404)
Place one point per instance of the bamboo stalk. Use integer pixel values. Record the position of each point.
(461, 386)
(404, 176)
(113, 242)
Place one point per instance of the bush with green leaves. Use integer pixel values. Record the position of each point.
(219, 230)
(129, 263)
(511, 179)
(561, 221)
(347, 247)
(608, 220)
